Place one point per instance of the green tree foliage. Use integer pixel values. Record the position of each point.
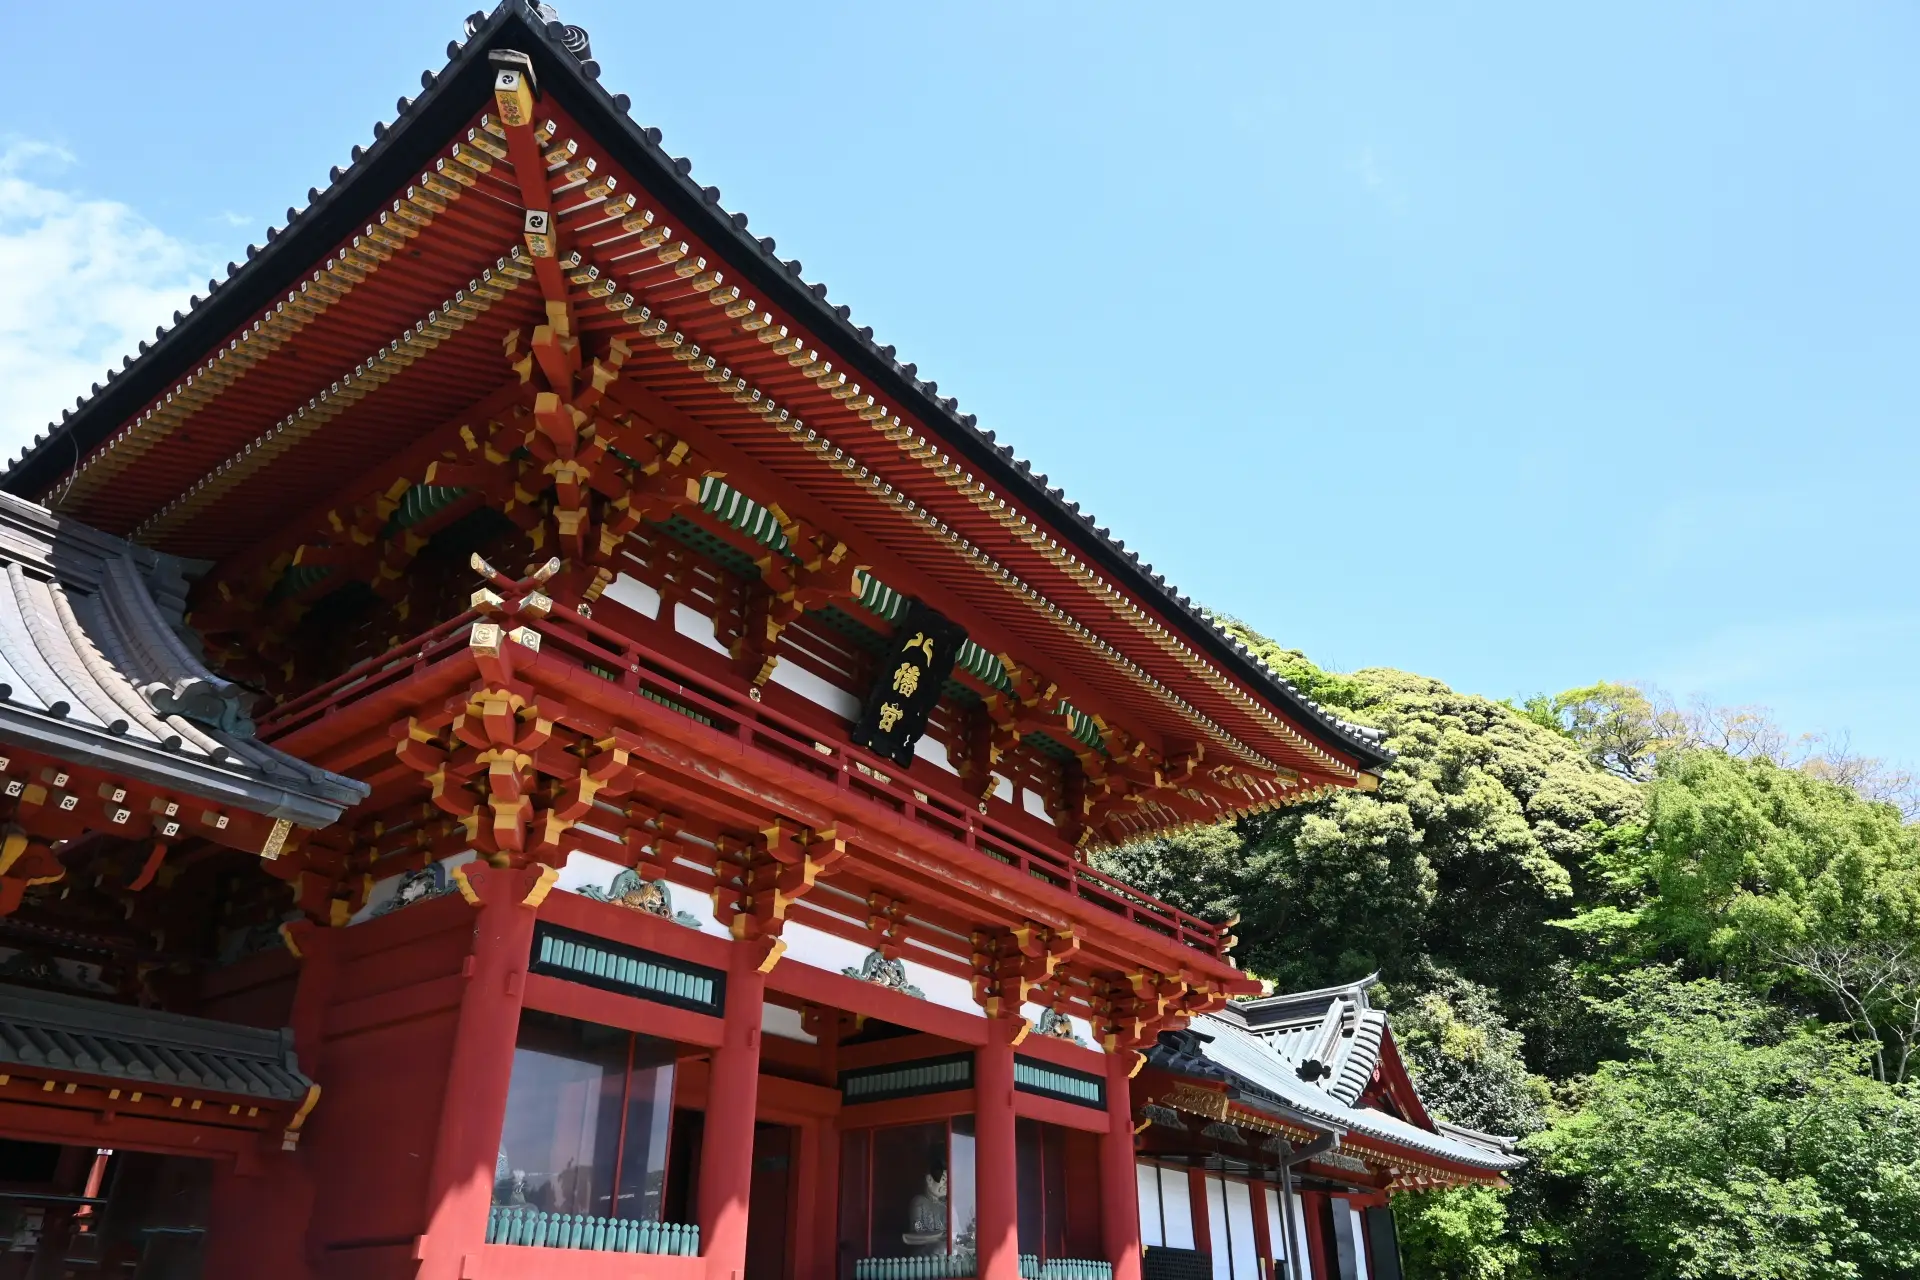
(1470, 847)
(1730, 1142)
(1744, 867)
(1676, 951)
(1466, 1062)
(1736, 859)
(1620, 728)
(1457, 1234)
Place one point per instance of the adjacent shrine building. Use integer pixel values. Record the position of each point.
(533, 746)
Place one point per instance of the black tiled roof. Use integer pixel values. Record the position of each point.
(1229, 1048)
(562, 62)
(145, 1047)
(97, 668)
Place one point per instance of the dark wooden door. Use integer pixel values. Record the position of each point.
(769, 1204)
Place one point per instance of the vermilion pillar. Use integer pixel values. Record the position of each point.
(460, 1184)
(996, 1170)
(1119, 1185)
(726, 1144)
(1321, 1260)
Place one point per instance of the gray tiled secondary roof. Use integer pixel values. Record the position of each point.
(562, 59)
(1261, 1046)
(58, 1032)
(97, 669)
(1331, 1036)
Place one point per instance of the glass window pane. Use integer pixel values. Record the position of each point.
(568, 1102)
(854, 1184)
(1030, 1176)
(909, 1190)
(643, 1150)
(1276, 1232)
(960, 1183)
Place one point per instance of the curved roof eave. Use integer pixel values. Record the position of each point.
(425, 123)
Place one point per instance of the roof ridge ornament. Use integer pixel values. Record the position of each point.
(573, 39)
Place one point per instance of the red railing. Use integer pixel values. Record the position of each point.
(634, 667)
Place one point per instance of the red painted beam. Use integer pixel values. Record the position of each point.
(590, 1004)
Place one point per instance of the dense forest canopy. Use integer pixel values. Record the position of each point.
(1672, 949)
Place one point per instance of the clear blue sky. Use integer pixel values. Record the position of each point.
(1514, 347)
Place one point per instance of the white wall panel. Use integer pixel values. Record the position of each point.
(1176, 1208)
(1147, 1179)
(1221, 1252)
(1246, 1253)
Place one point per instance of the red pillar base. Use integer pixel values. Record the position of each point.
(1119, 1185)
(460, 1186)
(726, 1145)
(996, 1169)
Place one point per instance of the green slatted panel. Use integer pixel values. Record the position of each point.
(524, 1225)
(908, 1080)
(1048, 745)
(720, 499)
(877, 597)
(627, 971)
(983, 666)
(724, 554)
(1061, 1083)
(298, 578)
(422, 501)
(1083, 727)
(666, 702)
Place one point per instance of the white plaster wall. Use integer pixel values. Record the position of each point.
(934, 753)
(1176, 1208)
(693, 624)
(778, 1020)
(634, 594)
(815, 690)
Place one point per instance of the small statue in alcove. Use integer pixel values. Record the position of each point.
(927, 1216)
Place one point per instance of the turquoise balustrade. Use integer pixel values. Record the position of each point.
(1031, 1268)
(960, 1266)
(928, 1266)
(525, 1225)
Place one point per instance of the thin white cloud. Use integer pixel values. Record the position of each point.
(82, 281)
(1377, 181)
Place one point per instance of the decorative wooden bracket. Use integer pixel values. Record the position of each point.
(758, 880)
(1009, 965)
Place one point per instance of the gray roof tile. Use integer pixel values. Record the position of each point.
(97, 668)
(47, 458)
(1230, 1046)
(59, 1032)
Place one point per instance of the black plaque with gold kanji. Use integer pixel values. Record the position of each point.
(912, 669)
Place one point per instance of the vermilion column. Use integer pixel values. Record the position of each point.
(1320, 1250)
(460, 1184)
(996, 1171)
(726, 1144)
(1119, 1185)
(260, 1211)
